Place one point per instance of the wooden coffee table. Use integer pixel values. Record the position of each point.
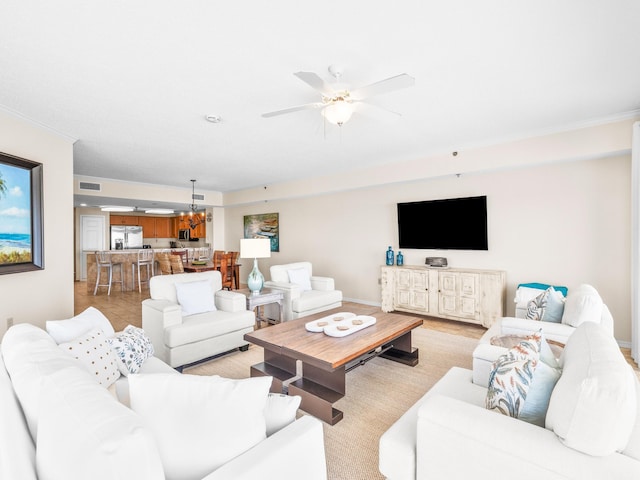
(326, 360)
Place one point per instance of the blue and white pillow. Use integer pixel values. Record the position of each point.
(132, 347)
(512, 375)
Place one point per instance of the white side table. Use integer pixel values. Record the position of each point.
(264, 297)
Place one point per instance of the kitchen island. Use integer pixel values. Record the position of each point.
(128, 258)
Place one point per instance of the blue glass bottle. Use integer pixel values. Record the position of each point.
(400, 259)
(390, 256)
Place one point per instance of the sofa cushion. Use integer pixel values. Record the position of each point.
(30, 355)
(280, 273)
(593, 406)
(280, 411)
(84, 433)
(195, 297)
(300, 276)
(66, 330)
(315, 299)
(583, 304)
(512, 376)
(132, 347)
(93, 351)
(207, 325)
(200, 422)
(162, 287)
(17, 450)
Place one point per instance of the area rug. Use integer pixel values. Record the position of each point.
(378, 393)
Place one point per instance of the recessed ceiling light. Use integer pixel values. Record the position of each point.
(213, 118)
(159, 211)
(116, 209)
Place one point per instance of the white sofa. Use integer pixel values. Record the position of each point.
(304, 293)
(58, 423)
(592, 428)
(582, 304)
(180, 339)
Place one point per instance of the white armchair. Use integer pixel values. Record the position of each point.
(304, 294)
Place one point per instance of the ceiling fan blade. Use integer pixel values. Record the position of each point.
(308, 106)
(383, 86)
(377, 112)
(314, 81)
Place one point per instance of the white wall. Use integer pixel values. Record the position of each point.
(563, 223)
(35, 297)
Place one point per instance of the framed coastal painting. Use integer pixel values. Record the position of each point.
(21, 242)
(263, 225)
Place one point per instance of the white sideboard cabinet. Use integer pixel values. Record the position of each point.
(474, 296)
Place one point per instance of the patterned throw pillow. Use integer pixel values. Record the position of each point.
(131, 347)
(93, 351)
(537, 306)
(512, 375)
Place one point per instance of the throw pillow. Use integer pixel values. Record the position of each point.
(195, 297)
(132, 347)
(200, 422)
(583, 304)
(555, 306)
(66, 330)
(537, 306)
(300, 276)
(536, 402)
(511, 377)
(280, 411)
(94, 352)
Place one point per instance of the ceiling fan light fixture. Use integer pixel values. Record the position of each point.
(338, 112)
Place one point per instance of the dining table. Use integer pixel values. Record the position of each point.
(191, 267)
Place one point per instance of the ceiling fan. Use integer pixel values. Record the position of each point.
(337, 103)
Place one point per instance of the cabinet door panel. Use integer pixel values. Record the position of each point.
(163, 227)
(403, 298)
(419, 299)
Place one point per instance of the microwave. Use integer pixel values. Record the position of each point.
(183, 234)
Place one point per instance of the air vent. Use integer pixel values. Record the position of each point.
(90, 186)
(198, 196)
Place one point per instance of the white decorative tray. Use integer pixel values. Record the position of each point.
(318, 325)
(349, 326)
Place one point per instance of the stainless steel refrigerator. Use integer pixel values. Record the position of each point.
(126, 237)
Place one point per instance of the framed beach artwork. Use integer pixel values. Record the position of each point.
(21, 242)
(263, 225)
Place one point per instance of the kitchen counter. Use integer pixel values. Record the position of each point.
(128, 258)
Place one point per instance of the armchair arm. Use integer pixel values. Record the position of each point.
(299, 447)
(494, 442)
(290, 292)
(160, 313)
(230, 301)
(322, 283)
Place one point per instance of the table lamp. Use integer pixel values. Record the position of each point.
(255, 248)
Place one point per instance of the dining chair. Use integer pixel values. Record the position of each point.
(217, 258)
(178, 260)
(226, 271)
(165, 264)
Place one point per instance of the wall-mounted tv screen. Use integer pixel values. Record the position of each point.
(448, 224)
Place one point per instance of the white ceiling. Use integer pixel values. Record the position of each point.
(132, 81)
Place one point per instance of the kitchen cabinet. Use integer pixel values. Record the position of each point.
(155, 227)
(182, 222)
(123, 220)
(466, 295)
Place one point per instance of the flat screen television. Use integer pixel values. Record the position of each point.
(448, 224)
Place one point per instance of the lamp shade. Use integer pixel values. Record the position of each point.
(255, 248)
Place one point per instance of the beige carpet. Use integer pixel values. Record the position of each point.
(378, 393)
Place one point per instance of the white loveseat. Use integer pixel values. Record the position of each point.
(58, 423)
(582, 304)
(304, 293)
(180, 339)
(592, 426)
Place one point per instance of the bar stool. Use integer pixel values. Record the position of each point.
(145, 259)
(103, 260)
